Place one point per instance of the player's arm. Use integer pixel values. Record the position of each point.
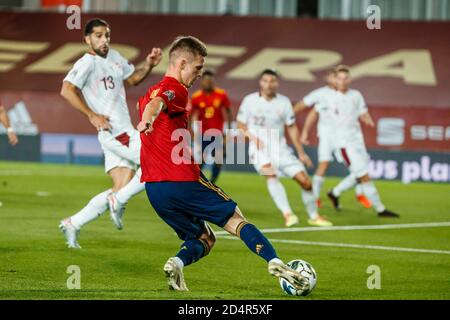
(193, 119)
(12, 137)
(367, 119)
(143, 69)
(363, 111)
(226, 111)
(4, 120)
(75, 98)
(194, 116)
(150, 113)
(243, 117)
(311, 118)
(246, 133)
(300, 106)
(294, 135)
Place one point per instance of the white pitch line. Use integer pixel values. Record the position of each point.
(346, 228)
(349, 245)
(43, 173)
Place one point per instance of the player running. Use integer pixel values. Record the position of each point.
(260, 115)
(96, 87)
(209, 106)
(177, 190)
(321, 99)
(348, 108)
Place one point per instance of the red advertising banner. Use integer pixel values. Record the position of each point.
(403, 70)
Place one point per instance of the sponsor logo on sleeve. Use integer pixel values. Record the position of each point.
(170, 94)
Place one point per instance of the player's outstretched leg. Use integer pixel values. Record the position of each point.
(71, 226)
(260, 245)
(190, 252)
(361, 198)
(318, 180)
(347, 183)
(317, 187)
(371, 192)
(278, 194)
(117, 201)
(309, 200)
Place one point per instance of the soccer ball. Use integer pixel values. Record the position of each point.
(306, 270)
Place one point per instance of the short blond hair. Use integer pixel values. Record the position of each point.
(188, 44)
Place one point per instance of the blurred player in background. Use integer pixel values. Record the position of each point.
(348, 108)
(96, 87)
(261, 114)
(178, 191)
(320, 99)
(4, 120)
(210, 106)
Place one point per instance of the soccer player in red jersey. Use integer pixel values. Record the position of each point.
(209, 106)
(177, 190)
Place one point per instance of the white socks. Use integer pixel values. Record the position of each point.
(96, 207)
(99, 204)
(131, 189)
(347, 183)
(317, 183)
(370, 191)
(178, 262)
(359, 190)
(278, 194)
(309, 199)
(276, 260)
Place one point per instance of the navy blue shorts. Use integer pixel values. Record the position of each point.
(185, 206)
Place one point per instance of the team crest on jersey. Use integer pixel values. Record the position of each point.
(170, 94)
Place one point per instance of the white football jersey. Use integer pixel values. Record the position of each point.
(347, 108)
(322, 99)
(266, 119)
(101, 80)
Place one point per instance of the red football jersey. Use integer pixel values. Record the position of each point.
(210, 108)
(164, 159)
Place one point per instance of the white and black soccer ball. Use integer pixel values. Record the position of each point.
(306, 270)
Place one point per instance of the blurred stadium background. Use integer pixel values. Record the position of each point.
(402, 69)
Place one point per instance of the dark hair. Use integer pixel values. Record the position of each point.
(190, 44)
(341, 68)
(91, 24)
(271, 72)
(208, 72)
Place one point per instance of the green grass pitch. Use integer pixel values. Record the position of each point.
(128, 264)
